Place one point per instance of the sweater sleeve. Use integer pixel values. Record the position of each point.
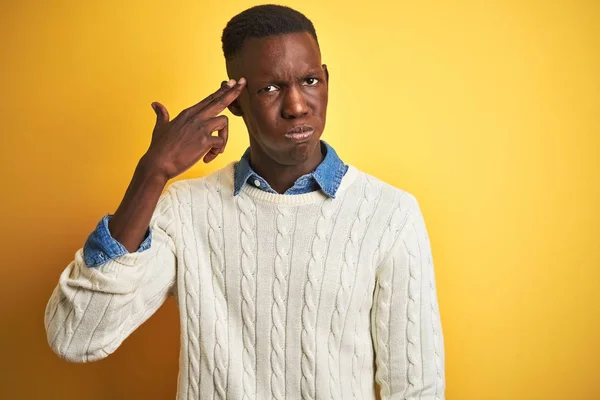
(406, 326)
(92, 310)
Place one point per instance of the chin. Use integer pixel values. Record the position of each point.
(302, 152)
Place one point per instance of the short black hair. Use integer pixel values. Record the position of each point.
(262, 21)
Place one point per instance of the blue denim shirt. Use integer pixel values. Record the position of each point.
(326, 177)
(101, 247)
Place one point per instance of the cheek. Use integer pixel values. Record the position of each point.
(319, 101)
(265, 116)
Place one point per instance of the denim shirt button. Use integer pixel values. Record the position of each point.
(257, 183)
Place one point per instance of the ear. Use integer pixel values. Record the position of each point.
(235, 108)
(324, 66)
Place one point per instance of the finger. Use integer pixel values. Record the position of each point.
(216, 143)
(162, 115)
(225, 86)
(214, 124)
(211, 125)
(221, 125)
(221, 102)
(224, 134)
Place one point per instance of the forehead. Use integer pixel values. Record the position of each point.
(278, 56)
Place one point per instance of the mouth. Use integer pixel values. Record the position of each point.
(300, 133)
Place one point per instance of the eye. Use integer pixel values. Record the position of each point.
(270, 88)
(311, 81)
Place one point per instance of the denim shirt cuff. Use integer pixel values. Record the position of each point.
(100, 247)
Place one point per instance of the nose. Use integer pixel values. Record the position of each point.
(294, 104)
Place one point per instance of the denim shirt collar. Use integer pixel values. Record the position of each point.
(327, 176)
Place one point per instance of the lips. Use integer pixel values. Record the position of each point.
(301, 132)
(300, 129)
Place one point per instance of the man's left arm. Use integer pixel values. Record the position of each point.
(405, 319)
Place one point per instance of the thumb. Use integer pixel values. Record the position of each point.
(162, 115)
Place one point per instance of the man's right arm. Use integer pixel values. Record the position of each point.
(95, 307)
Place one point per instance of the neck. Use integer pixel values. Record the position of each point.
(282, 177)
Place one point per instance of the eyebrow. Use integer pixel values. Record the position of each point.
(275, 79)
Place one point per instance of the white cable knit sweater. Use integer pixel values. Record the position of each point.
(280, 296)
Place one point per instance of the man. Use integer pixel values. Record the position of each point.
(293, 272)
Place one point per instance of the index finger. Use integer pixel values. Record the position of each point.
(225, 86)
(220, 102)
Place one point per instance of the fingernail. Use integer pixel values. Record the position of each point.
(241, 81)
(153, 106)
(231, 83)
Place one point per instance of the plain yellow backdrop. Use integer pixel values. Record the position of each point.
(488, 112)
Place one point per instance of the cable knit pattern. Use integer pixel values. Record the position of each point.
(214, 212)
(332, 285)
(356, 363)
(278, 312)
(311, 298)
(358, 347)
(248, 265)
(391, 232)
(412, 312)
(191, 300)
(383, 298)
(382, 318)
(347, 278)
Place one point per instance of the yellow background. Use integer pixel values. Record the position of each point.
(488, 112)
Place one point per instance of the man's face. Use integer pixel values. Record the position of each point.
(285, 102)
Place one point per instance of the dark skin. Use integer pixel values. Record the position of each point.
(286, 89)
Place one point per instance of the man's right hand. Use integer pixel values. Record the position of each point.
(176, 146)
(179, 144)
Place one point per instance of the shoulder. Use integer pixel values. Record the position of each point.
(214, 181)
(390, 197)
(184, 197)
(393, 209)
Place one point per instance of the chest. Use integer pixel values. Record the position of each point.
(292, 257)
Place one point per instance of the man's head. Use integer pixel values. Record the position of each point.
(276, 49)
